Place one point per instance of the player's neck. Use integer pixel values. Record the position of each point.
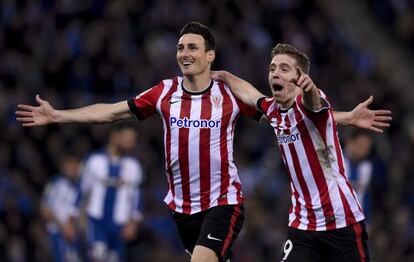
(288, 102)
(113, 153)
(197, 83)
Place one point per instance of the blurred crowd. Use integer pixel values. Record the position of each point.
(397, 16)
(77, 52)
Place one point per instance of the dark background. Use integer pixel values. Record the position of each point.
(78, 52)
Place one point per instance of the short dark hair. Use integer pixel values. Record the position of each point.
(200, 29)
(301, 58)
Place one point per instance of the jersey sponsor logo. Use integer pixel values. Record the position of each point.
(287, 139)
(194, 123)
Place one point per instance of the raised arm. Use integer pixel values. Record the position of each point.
(363, 117)
(242, 89)
(45, 114)
(311, 98)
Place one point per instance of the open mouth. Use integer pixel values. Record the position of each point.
(187, 63)
(277, 87)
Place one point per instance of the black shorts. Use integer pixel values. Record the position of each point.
(344, 244)
(215, 228)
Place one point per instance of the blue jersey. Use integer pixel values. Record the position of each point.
(60, 197)
(112, 187)
(360, 174)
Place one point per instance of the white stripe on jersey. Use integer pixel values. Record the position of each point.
(215, 154)
(194, 155)
(232, 198)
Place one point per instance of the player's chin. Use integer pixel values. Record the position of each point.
(187, 72)
(277, 98)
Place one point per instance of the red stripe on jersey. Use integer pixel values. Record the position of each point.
(225, 119)
(358, 233)
(341, 167)
(316, 169)
(183, 139)
(229, 236)
(237, 185)
(296, 221)
(205, 176)
(349, 216)
(165, 108)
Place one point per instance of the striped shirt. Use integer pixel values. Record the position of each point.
(322, 198)
(112, 188)
(198, 142)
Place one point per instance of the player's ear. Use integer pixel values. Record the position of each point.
(211, 55)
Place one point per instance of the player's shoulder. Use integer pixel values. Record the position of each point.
(55, 179)
(266, 101)
(131, 161)
(221, 84)
(99, 155)
(169, 82)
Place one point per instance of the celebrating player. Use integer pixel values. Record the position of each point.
(326, 221)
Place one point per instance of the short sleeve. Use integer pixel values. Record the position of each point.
(144, 105)
(264, 103)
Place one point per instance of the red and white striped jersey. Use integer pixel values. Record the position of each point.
(322, 198)
(198, 142)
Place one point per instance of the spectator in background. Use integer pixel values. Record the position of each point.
(359, 167)
(110, 186)
(59, 210)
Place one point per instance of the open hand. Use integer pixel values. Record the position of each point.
(375, 120)
(29, 116)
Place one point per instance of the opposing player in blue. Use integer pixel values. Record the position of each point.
(110, 183)
(59, 210)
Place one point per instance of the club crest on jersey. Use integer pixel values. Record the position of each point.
(216, 101)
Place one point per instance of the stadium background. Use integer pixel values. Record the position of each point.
(77, 52)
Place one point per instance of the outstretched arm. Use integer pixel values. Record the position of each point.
(242, 89)
(363, 117)
(45, 114)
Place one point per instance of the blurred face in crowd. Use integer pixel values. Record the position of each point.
(283, 71)
(192, 56)
(124, 139)
(70, 167)
(359, 147)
